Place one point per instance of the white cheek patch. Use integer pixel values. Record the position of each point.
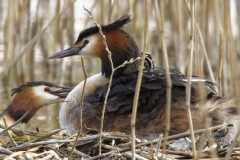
(88, 50)
(45, 97)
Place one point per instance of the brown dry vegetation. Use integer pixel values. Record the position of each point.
(32, 30)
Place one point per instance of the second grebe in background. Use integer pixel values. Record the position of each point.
(30, 97)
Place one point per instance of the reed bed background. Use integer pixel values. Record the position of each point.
(32, 30)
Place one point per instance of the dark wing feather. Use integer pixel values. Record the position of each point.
(152, 93)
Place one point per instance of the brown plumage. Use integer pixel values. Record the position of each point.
(152, 100)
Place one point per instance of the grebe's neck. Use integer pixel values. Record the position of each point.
(71, 105)
(123, 48)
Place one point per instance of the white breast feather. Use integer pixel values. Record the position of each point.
(74, 96)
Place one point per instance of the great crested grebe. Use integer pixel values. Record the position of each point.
(152, 101)
(31, 97)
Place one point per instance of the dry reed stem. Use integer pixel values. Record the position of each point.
(46, 135)
(230, 150)
(203, 46)
(206, 55)
(8, 133)
(26, 50)
(5, 151)
(234, 60)
(84, 86)
(160, 21)
(189, 79)
(225, 21)
(203, 138)
(139, 80)
(159, 144)
(221, 45)
(30, 44)
(29, 144)
(127, 62)
(127, 154)
(180, 32)
(110, 17)
(209, 12)
(119, 150)
(10, 29)
(181, 135)
(27, 132)
(111, 76)
(198, 132)
(77, 152)
(102, 13)
(81, 106)
(15, 123)
(56, 39)
(231, 58)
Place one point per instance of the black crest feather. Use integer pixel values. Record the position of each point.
(115, 25)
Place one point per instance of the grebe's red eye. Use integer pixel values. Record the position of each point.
(86, 42)
(46, 89)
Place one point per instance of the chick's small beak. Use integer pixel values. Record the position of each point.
(66, 53)
(62, 93)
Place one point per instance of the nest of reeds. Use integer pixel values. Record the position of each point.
(25, 144)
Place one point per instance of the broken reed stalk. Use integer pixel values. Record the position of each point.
(230, 150)
(5, 151)
(82, 97)
(181, 135)
(203, 47)
(47, 135)
(159, 144)
(139, 81)
(127, 154)
(27, 132)
(28, 145)
(135, 104)
(8, 133)
(77, 152)
(111, 76)
(160, 21)
(203, 138)
(198, 132)
(15, 123)
(221, 45)
(189, 79)
(80, 107)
